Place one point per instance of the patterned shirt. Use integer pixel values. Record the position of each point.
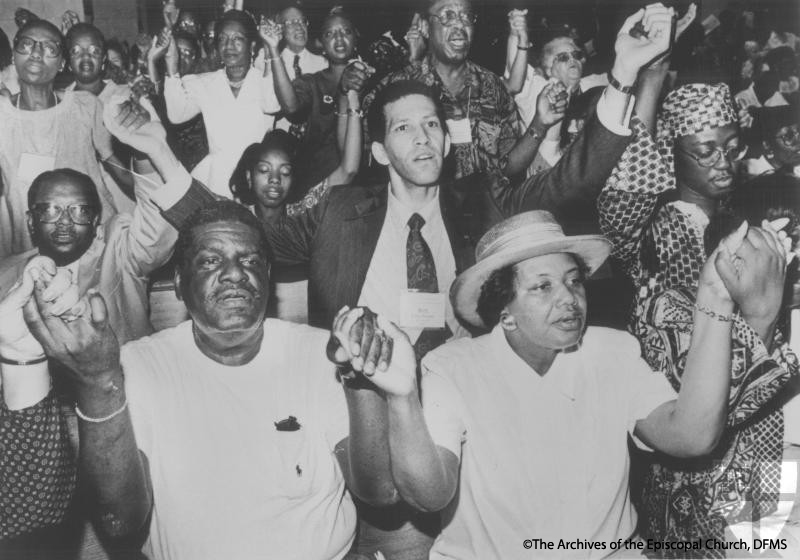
(37, 468)
(484, 100)
(739, 481)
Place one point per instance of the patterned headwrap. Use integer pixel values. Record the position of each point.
(690, 109)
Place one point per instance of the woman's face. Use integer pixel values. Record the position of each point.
(233, 45)
(114, 58)
(338, 39)
(694, 152)
(86, 57)
(271, 178)
(37, 55)
(563, 60)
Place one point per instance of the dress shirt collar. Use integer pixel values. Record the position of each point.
(399, 213)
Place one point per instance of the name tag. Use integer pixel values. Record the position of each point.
(33, 165)
(460, 131)
(421, 310)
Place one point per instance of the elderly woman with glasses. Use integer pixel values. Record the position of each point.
(237, 101)
(43, 130)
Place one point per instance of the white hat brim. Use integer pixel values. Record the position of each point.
(464, 293)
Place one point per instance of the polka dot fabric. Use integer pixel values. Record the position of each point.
(37, 468)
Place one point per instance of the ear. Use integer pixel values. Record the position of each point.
(177, 280)
(447, 144)
(29, 220)
(379, 153)
(248, 176)
(424, 26)
(767, 149)
(507, 321)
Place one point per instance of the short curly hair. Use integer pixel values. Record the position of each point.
(497, 292)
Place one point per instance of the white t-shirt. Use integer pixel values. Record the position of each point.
(541, 456)
(226, 482)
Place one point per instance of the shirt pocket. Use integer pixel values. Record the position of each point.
(300, 461)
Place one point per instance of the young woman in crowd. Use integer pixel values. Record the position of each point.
(313, 98)
(236, 101)
(43, 130)
(264, 179)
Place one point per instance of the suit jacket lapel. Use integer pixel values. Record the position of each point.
(363, 228)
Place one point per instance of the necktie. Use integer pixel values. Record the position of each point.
(421, 272)
(296, 66)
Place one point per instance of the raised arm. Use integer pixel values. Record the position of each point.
(270, 33)
(181, 102)
(349, 130)
(110, 461)
(748, 266)
(517, 51)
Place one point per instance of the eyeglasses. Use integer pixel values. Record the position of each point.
(295, 22)
(564, 57)
(93, 50)
(80, 214)
(239, 41)
(734, 153)
(25, 45)
(448, 17)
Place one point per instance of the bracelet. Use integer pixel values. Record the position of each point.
(533, 133)
(713, 314)
(357, 112)
(117, 412)
(273, 58)
(524, 48)
(612, 81)
(33, 361)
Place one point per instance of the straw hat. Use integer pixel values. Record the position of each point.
(519, 238)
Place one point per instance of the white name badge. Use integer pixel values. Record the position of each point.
(33, 165)
(460, 131)
(421, 310)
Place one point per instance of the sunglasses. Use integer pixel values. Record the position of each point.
(80, 214)
(734, 153)
(93, 50)
(564, 57)
(295, 22)
(25, 45)
(791, 136)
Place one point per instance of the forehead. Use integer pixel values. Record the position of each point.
(554, 264)
(63, 189)
(718, 135)
(336, 22)
(230, 27)
(226, 235)
(291, 13)
(409, 106)
(272, 154)
(39, 33)
(85, 38)
(184, 44)
(559, 45)
(439, 5)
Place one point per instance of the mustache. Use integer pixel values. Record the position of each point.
(243, 287)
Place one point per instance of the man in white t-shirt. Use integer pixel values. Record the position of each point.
(218, 438)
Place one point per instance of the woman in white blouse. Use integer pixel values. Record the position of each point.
(237, 101)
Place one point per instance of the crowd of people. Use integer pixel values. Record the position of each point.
(426, 310)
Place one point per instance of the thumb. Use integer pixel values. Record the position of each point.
(99, 310)
(393, 331)
(727, 270)
(20, 292)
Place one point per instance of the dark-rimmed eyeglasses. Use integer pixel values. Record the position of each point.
(448, 17)
(80, 214)
(733, 153)
(564, 57)
(25, 45)
(93, 50)
(791, 136)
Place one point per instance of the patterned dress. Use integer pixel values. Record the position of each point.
(661, 248)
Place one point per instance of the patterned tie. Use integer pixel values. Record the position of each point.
(296, 66)
(422, 277)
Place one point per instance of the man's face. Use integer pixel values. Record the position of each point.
(86, 56)
(63, 238)
(549, 308)
(295, 28)
(450, 29)
(563, 60)
(114, 58)
(694, 154)
(45, 59)
(209, 38)
(226, 281)
(415, 142)
(785, 146)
